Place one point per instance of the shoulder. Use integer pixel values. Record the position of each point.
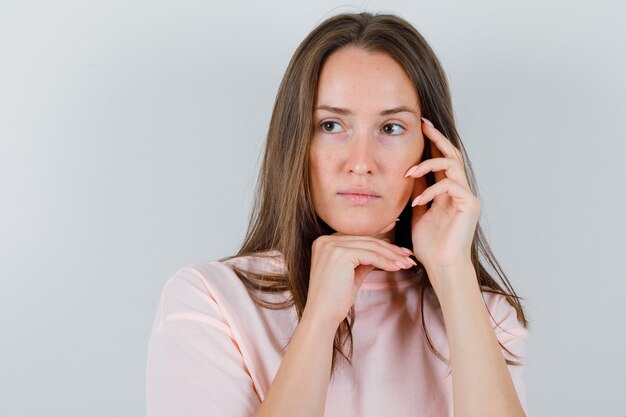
(212, 288)
(190, 293)
(504, 318)
(200, 282)
(208, 275)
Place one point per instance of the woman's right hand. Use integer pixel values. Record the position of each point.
(339, 264)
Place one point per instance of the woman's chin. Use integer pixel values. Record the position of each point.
(367, 229)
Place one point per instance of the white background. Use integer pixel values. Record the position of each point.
(130, 140)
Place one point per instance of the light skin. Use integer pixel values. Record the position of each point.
(364, 149)
(361, 150)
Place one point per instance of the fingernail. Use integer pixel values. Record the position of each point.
(407, 250)
(398, 219)
(410, 171)
(417, 200)
(412, 261)
(428, 121)
(400, 264)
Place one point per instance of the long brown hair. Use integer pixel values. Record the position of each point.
(283, 217)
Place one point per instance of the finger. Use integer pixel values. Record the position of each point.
(436, 153)
(451, 167)
(360, 255)
(373, 244)
(461, 195)
(419, 186)
(443, 146)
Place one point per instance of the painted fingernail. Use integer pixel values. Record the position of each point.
(398, 219)
(412, 261)
(428, 121)
(400, 264)
(417, 200)
(407, 250)
(410, 171)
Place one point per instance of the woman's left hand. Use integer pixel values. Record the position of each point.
(442, 234)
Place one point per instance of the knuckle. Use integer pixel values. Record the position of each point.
(339, 252)
(321, 240)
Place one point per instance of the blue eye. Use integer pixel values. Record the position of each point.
(393, 124)
(326, 124)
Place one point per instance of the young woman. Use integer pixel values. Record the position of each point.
(364, 239)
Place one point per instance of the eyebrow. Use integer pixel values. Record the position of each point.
(343, 111)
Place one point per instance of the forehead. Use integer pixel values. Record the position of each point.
(352, 77)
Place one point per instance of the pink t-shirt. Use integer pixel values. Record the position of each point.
(214, 352)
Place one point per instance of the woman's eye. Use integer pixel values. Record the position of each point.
(392, 124)
(327, 127)
(326, 124)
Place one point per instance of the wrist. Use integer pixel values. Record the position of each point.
(318, 322)
(453, 278)
(449, 268)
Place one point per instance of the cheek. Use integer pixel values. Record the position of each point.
(404, 190)
(406, 185)
(319, 175)
(321, 164)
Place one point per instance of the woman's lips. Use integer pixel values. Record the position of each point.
(358, 199)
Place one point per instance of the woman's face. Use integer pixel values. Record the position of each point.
(360, 146)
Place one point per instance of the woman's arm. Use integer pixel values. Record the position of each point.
(301, 383)
(481, 382)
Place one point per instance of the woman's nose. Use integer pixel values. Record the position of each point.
(362, 154)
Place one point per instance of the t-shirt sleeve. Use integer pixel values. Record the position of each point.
(513, 336)
(194, 365)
